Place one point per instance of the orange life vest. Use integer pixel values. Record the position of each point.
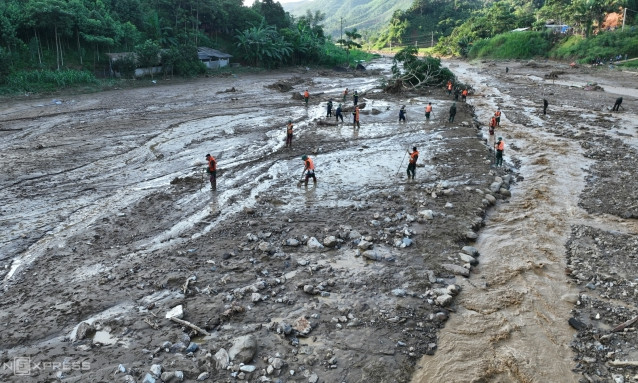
(464, 93)
(497, 113)
(428, 108)
(492, 122)
(306, 94)
(500, 146)
(310, 165)
(356, 114)
(212, 164)
(449, 86)
(414, 156)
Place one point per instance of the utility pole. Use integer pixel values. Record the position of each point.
(432, 42)
(341, 35)
(624, 16)
(416, 44)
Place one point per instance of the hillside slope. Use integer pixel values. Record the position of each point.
(364, 15)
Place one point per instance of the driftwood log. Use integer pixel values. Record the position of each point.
(623, 363)
(189, 324)
(622, 326)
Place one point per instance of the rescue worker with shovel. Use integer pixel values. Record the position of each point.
(212, 171)
(309, 169)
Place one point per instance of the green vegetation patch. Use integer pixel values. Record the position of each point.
(511, 45)
(47, 80)
(602, 46)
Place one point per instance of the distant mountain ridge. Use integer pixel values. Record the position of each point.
(365, 15)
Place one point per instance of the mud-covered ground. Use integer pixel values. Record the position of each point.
(107, 217)
(108, 223)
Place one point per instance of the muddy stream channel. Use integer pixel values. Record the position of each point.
(511, 323)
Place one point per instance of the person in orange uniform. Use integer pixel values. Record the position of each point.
(428, 110)
(449, 87)
(492, 127)
(414, 156)
(355, 114)
(306, 96)
(497, 114)
(309, 169)
(289, 134)
(464, 95)
(345, 94)
(500, 148)
(212, 171)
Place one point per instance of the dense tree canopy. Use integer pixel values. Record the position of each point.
(77, 34)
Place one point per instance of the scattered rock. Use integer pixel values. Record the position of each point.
(330, 241)
(243, 349)
(84, 330)
(176, 312)
(302, 326)
(456, 269)
(470, 250)
(313, 243)
(221, 359)
(292, 242)
(156, 370)
(372, 255)
(468, 258)
(427, 214)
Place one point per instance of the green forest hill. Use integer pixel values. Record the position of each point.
(368, 16)
(51, 44)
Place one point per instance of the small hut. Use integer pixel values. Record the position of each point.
(212, 58)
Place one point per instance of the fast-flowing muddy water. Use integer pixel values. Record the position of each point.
(511, 323)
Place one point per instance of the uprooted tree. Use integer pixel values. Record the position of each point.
(411, 72)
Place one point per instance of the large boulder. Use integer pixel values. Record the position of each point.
(243, 349)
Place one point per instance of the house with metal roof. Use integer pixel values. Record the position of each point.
(212, 58)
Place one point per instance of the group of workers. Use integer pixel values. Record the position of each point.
(457, 91)
(309, 166)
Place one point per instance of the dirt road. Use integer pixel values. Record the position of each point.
(109, 223)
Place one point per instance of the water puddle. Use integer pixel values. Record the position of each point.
(104, 338)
